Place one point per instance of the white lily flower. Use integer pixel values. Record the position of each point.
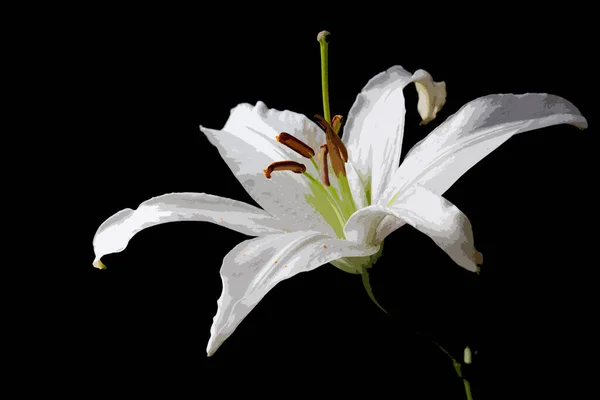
(338, 209)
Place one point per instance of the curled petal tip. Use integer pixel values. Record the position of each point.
(432, 96)
(212, 347)
(478, 258)
(99, 264)
(322, 36)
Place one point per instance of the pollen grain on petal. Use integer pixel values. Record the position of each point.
(295, 144)
(275, 262)
(285, 266)
(324, 246)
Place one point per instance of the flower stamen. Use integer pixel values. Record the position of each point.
(295, 144)
(333, 140)
(335, 155)
(323, 165)
(336, 123)
(287, 165)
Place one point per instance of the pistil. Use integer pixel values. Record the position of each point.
(322, 38)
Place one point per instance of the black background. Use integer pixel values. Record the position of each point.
(140, 82)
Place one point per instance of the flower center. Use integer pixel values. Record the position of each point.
(335, 204)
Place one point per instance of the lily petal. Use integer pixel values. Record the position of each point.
(427, 212)
(432, 96)
(248, 152)
(247, 120)
(374, 131)
(472, 133)
(356, 187)
(362, 226)
(255, 266)
(114, 234)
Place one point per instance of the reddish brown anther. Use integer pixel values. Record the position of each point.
(336, 149)
(322, 122)
(323, 165)
(333, 140)
(295, 144)
(284, 166)
(336, 123)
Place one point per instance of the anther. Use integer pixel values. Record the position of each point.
(284, 166)
(336, 123)
(321, 122)
(333, 139)
(295, 144)
(323, 165)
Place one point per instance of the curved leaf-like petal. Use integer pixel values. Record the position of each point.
(247, 144)
(114, 234)
(373, 133)
(427, 212)
(255, 266)
(472, 133)
(362, 226)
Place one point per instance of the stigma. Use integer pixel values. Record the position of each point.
(287, 165)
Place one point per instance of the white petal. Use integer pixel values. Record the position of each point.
(373, 133)
(362, 226)
(432, 96)
(246, 119)
(427, 212)
(114, 234)
(248, 146)
(388, 225)
(472, 133)
(356, 186)
(255, 266)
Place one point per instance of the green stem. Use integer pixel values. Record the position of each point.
(322, 38)
(467, 389)
(458, 369)
(367, 284)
